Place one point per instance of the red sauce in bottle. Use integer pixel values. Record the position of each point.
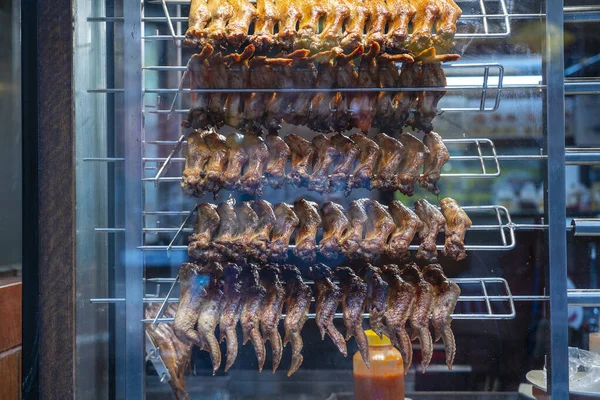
(385, 379)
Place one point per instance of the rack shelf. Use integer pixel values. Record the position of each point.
(482, 158)
(476, 302)
(489, 18)
(502, 225)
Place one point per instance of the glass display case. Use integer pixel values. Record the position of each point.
(190, 164)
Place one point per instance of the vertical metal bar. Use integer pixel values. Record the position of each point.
(556, 204)
(486, 29)
(486, 77)
(481, 161)
(502, 233)
(133, 257)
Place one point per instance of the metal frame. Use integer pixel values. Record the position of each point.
(558, 382)
(485, 149)
(480, 15)
(133, 258)
(134, 193)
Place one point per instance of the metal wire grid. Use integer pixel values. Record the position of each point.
(489, 78)
(502, 224)
(490, 17)
(479, 303)
(484, 160)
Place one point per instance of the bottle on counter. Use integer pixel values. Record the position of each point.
(385, 379)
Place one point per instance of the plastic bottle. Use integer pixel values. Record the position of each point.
(385, 379)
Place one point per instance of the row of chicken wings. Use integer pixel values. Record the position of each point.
(340, 163)
(396, 25)
(307, 95)
(257, 230)
(256, 296)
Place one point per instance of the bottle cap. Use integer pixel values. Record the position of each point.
(375, 340)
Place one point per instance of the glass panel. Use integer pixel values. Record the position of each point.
(134, 95)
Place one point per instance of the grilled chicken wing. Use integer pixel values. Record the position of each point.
(306, 232)
(433, 221)
(195, 160)
(348, 150)
(401, 298)
(377, 290)
(228, 229)
(285, 223)
(427, 13)
(210, 313)
(192, 294)
(426, 109)
(219, 77)
(379, 227)
(304, 78)
(279, 152)
(446, 25)
(264, 73)
(407, 225)
(402, 13)
(221, 12)
(326, 153)
(239, 78)
(336, 13)
(232, 308)
(392, 154)
(354, 298)
(266, 221)
(253, 295)
(197, 116)
(363, 105)
(213, 181)
(335, 224)
(271, 310)
(280, 103)
(289, 14)
(258, 154)
(174, 353)
(410, 76)
(446, 294)
(410, 166)
(322, 102)
(308, 27)
(297, 303)
(264, 30)
(328, 296)
(207, 223)
(345, 77)
(457, 223)
(421, 312)
(366, 161)
(197, 20)
(357, 217)
(389, 76)
(244, 13)
(243, 242)
(380, 15)
(302, 156)
(434, 161)
(236, 158)
(356, 25)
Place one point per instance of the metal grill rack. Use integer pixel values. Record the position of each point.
(490, 18)
(481, 157)
(482, 298)
(501, 230)
(487, 78)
